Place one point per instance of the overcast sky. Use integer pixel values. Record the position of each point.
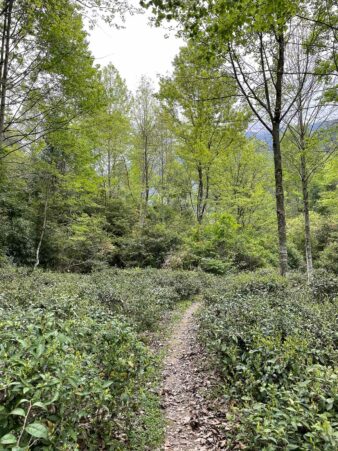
(137, 50)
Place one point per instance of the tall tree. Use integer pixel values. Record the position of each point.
(145, 112)
(310, 128)
(200, 100)
(255, 37)
(113, 131)
(42, 47)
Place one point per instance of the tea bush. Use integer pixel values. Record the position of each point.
(71, 383)
(324, 284)
(141, 296)
(74, 373)
(274, 344)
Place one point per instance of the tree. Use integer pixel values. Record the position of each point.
(200, 101)
(64, 187)
(43, 45)
(145, 112)
(244, 179)
(324, 20)
(254, 36)
(310, 140)
(112, 130)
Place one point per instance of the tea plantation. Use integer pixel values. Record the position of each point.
(274, 343)
(78, 370)
(74, 373)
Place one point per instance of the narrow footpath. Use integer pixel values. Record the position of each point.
(192, 424)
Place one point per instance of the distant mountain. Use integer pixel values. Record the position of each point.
(263, 135)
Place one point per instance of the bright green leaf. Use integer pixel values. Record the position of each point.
(37, 430)
(18, 411)
(8, 439)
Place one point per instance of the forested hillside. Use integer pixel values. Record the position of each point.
(118, 208)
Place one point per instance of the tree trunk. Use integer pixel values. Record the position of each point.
(146, 172)
(43, 229)
(280, 207)
(276, 123)
(145, 183)
(200, 195)
(109, 173)
(307, 226)
(4, 58)
(206, 196)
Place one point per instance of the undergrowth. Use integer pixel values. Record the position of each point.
(274, 344)
(74, 372)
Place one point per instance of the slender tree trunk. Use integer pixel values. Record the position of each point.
(4, 58)
(305, 191)
(307, 225)
(109, 173)
(206, 196)
(145, 183)
(200, 194)
(162, 184)
(42, 234)
(276, 124)
(146, 172)
(280, 204)
(273, 108)
(2, 62)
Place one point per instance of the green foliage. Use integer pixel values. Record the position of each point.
(141, 296)
(329, 257)
(295, 259)
(60, 375)
(301, 417)
(145, 248)
(324, 285)
(274, 344)
(74, 372)
(324, 240)
(214, 265)
(199, 102)
(224, 245)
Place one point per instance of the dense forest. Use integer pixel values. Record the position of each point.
(120, 209)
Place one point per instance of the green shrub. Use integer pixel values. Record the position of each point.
(245, 283)
(324, 285)
(329, 256)
(147, 248)
(215, 266)
(141, 296)
(73, 372)
(72, 383)
(295, 258)
(275, 349)
(302, 417)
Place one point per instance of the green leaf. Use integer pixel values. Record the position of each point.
(37, 430)
(8, 439)
(18, 411)
(40, 350)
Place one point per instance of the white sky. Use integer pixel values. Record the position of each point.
(139, 49)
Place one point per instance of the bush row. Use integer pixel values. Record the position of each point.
(74, 373)
(274, 343)
(140, 296)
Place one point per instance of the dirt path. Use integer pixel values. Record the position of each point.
(191, 426)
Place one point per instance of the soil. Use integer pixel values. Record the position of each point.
(194, 422)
